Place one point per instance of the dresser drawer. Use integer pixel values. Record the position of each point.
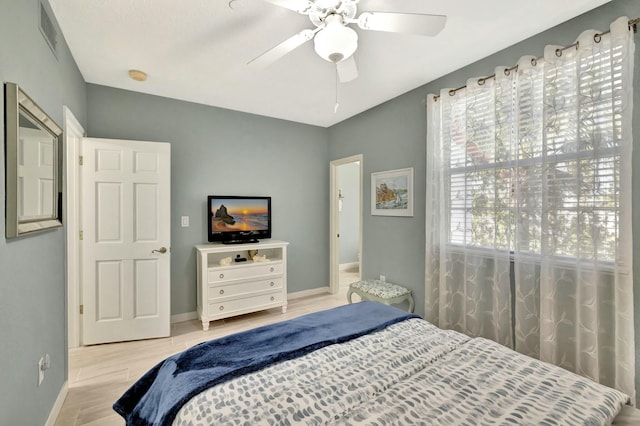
(245, 303)
(226, 290)
(219, 275)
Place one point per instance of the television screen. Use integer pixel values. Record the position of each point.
(237, 219)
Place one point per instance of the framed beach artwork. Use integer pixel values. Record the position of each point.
(392, 193)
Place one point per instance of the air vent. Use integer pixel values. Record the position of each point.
(48, 30)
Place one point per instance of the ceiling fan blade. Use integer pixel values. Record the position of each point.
(409, 23)
(273, 54)
(347, 69)
(300, 6)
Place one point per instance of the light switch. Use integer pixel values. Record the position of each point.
(184, 221)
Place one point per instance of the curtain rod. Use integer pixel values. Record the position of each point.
(633, 25)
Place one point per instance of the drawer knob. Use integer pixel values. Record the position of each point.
(272, 269)
(221, 308)
(272, 284)
(273, 298)
(221, 291)
(221, 275)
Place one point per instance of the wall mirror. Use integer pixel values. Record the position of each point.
(32, 141)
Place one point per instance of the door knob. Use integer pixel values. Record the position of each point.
(160, 250)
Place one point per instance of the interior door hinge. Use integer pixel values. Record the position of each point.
(81, 160)
(81, 309)
(81, 235)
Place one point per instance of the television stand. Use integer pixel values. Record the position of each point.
(251, 241)
(226, 290)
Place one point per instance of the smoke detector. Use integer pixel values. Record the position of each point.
(138, 75)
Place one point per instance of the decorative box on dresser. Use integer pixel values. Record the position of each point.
(240, 287)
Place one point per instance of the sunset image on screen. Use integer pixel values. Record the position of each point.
(240, 215)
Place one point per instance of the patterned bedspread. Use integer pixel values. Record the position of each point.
(410, 373)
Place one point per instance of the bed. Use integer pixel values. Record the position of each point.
(365, 363)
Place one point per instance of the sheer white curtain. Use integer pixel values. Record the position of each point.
(529, 207)
(468, 256)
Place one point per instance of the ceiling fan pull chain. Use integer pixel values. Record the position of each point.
(337, 105)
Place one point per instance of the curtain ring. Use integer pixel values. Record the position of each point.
(597, 38)
(452, 92)
(481, 82)
(534, 61)
(558, 52)
(507, 71)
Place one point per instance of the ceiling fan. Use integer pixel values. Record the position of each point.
(334, 40)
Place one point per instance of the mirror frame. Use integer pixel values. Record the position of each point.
(18, 102)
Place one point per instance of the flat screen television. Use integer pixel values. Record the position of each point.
(238, 219)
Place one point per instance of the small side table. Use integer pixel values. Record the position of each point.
(381, 291)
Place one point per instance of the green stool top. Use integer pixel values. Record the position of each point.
(381, 289)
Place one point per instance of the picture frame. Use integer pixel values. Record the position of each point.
(392, 192)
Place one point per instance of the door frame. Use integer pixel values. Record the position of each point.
(334, 221)
(73, 134)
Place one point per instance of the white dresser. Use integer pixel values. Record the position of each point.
(241, 287)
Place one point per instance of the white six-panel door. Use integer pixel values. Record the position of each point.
(126, 237)
(35, 175)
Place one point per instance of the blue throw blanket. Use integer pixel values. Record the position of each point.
(157, 397)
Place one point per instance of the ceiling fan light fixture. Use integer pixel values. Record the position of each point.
(335, 42)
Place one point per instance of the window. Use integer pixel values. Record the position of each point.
(528, 221)
(537, 155)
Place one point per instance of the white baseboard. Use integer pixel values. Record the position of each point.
(351, 266)
(305, 293)
(187, 316)
(57, 406)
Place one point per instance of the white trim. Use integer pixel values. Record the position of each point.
(186, 316)
(349, 266)
(57, 406)
(73, 133)
(307, 293)
(334, 225)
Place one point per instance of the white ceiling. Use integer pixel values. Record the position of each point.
(197, 50)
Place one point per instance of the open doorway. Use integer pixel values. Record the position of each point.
(346, 222)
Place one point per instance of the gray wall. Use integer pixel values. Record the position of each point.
(349, 183)
(32, 274)
(392, 135)
(221, 152)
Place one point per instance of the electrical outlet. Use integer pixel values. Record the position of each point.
(383, 278)
(43, 365)
(41, 368)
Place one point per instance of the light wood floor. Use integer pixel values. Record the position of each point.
(99, 374)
